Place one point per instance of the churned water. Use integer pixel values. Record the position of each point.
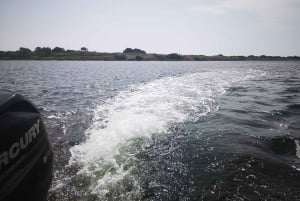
(167, 130)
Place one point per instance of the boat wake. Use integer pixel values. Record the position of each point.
(125, 123)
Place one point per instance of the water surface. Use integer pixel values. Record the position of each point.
(167, 130)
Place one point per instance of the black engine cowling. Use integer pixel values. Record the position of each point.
(26, 157)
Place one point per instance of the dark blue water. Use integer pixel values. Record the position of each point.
(167, 130)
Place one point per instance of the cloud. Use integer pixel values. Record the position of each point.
(270, 10)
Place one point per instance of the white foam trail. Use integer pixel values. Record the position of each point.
(146, 109)
(53, 117)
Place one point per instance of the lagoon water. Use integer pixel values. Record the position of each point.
(167, 130)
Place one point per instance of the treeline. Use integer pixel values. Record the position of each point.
(43, 53)
(129, 54)
(46, 51)
(134, 51)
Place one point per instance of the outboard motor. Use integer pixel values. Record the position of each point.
(26, 157)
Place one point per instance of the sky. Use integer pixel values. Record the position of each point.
(205, 27)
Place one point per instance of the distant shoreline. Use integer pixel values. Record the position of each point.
(144, 57)
(127, 55)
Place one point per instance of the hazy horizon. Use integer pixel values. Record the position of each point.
(228, 27)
